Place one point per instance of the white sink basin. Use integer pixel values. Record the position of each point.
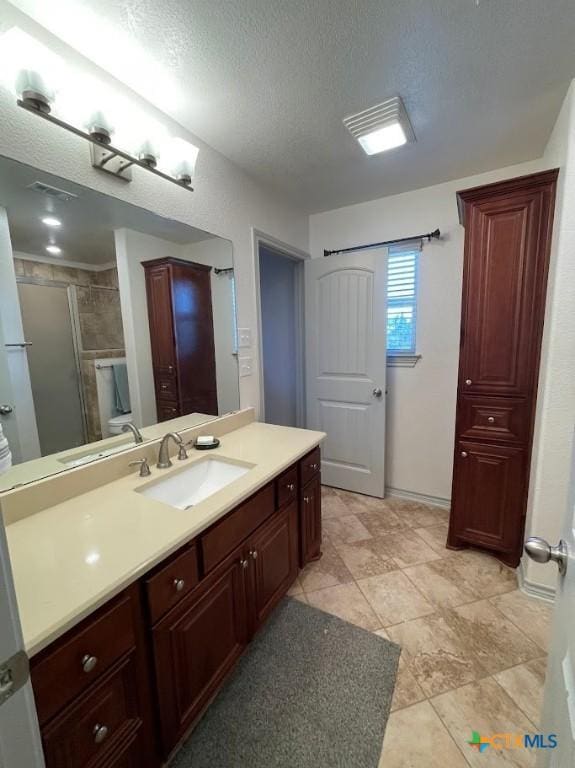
(187, 488)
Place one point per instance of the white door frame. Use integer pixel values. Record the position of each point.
(299, 256)
(20, 743)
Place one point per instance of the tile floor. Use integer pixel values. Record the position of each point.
(473, 646)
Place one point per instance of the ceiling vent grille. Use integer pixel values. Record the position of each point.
(54, 192)
(389, 112)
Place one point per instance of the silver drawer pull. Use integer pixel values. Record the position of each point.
(290, 487)
(179, 584)
(464, 454)
(491, 420)
(313, 466)
(244, 564)
(100, 733)
(306, 499)
(89, 662)
(468, 382)
(253, 554)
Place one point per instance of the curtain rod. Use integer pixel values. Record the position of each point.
(435, 235)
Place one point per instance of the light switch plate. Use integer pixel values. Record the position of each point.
(245, 366)
(244, 337)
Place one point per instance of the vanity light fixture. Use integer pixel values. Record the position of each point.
(51, 221)
(382, 127)
(121, 135)
(54, 250)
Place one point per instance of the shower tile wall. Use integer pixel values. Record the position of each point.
(101, 334)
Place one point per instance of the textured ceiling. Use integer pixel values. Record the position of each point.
(267, 82)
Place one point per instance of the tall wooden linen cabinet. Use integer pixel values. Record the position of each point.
(507, 242)
(182, 337)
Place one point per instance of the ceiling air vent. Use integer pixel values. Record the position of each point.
(381, 127)
(54, 192)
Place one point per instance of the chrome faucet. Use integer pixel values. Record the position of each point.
(129, 427)
(164, 455)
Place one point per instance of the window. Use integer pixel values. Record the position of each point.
(401, 300)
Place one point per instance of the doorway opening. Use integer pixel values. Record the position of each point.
(281, 334)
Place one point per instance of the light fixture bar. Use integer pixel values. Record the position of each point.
(105, 157)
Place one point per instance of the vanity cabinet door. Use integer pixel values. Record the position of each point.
(196, 645)
(310, 521)
(273, 556)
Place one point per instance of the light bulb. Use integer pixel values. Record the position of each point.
(179, 159)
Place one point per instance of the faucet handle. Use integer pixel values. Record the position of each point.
(182, 453)
(145, 470)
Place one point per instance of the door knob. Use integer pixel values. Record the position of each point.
(5, 410)
(378, 392)
(542, 552)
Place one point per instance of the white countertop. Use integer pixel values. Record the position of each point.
(71, 558)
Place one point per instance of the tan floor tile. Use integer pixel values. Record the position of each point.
(417, 515)
(493, 641)
(532, 616)
(435, 536)
(296, 588)
(407, 689)
(439, 583)
(345, 529)
(484, 707)
(484, 573)
(435, 655)
(415, 737)
(347, 602)
(301, 597)
(331, 503)
(407, 548)
(394, 598)
(328, 571)
(524, 684)
(365, 558)
(357, 503)
(381, 522)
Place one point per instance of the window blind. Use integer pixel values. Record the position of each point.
(402, 265)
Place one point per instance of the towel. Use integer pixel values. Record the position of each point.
(5, 455)
(121, 390)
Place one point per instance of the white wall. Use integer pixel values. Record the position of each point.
(278, 308)
(226, 201)
(555, 417)
(421, 400)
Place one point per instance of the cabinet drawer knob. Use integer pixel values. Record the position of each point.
(100, 733)
(491, 419)
(253, 554)
(179, 584)
(468, 382)
(464, 454)
(290, 487)
(306, 499)
(89, 662)
(244, 563)
(313, 466)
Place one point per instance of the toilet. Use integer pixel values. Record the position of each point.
(116, 423)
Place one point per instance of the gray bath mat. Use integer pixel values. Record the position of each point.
(312, 691)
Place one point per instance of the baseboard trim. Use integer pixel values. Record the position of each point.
(424, 498)
(532, 588)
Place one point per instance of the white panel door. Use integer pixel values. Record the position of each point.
(345, 320)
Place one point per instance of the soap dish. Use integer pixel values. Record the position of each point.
(207, 446)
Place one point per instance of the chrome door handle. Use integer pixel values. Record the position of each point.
(5, 410)
(542, 552)
(378, 392)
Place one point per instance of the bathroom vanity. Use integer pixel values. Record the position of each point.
(125, 684)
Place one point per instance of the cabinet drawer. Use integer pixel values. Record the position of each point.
(81, 657)
(96, 727)
(309, 466)
(286, 487)
(167, 411)
(169, 585)
(220, 540)
(493, 419)
(166, 388)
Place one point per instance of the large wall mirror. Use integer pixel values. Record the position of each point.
(111, 318)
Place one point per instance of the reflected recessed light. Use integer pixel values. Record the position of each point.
(92, 558)
(382, 127)
(55, 250)
(50, 221)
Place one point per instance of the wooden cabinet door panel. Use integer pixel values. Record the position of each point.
(488, 495)
(273, 556)
(196, 645)
(159, 295)
(505, 266)
(310, 521)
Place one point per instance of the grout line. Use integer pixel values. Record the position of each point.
(515, 703)
(444, 724)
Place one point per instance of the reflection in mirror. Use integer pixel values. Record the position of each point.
(116, 325)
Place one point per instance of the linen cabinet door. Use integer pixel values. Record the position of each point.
(196, 645)
(488, 496)
(310, 521)
(273, 552)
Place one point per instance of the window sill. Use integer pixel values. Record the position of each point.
(402, 361)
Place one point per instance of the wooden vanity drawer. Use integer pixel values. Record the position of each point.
(286, 487)
(167, 411)
(166, 388)
(493, 419)
(73, 663)
(94, 728)
(169, 585)
(220, 540)
(309, 466)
